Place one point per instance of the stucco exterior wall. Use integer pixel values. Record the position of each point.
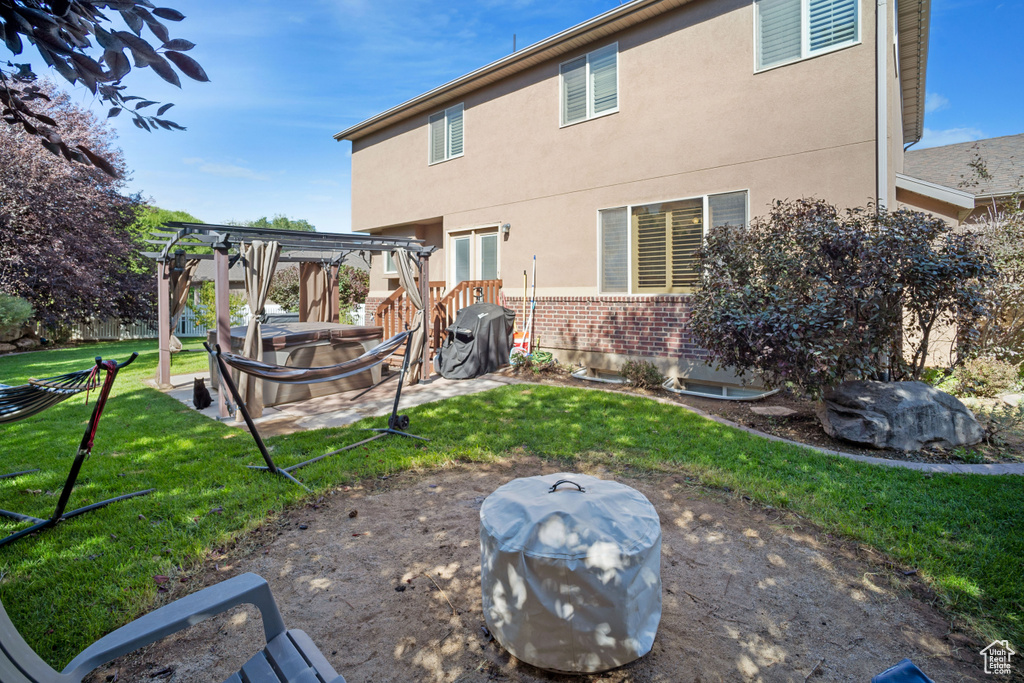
(693, 119)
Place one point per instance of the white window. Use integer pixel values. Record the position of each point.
(589, 85)
(788, 30)
(649, 249)
(446, 134)
(474, 255)
(389, 263)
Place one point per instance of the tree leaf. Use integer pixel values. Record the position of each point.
(163, 110)
(13, 40)
(158, 29)
(133, 20)
(99, 162)
(188, 66)
(144, 103)
(114, 111)
(53, 147)
(179, 44)
(168, 14)
(164, 70)
(107, 40)
(118, 63)
(138, 45)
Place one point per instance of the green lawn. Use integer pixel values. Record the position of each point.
(69, 585)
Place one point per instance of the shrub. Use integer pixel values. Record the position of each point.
(984, 377)
(1002, 234)
(205, 309)
(353, 286)
(14, 312)
(813, 297)
(642, 374)
(284, 289)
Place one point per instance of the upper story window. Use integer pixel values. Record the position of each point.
(789, 30)
(446, 134)
(650, 249)
(589, 85)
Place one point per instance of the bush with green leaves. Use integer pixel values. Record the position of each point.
(813, 296)
(203, 305)
(642, 374)
(984, 377)
(284, 288)
(14, 313)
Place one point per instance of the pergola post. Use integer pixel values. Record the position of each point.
(222, 306)
(334, 295)
(163, 308)
(425, 369)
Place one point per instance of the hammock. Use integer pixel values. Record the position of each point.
(17, 403)
(327, 373)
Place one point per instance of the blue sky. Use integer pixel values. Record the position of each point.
(288, 74)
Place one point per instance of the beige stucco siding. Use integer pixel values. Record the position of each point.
(693, 119)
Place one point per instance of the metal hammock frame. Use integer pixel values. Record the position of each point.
(327, 373)
(20, 402)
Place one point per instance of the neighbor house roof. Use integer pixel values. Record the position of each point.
(950, 165)
(913, 57)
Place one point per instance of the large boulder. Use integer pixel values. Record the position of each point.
(905, 416)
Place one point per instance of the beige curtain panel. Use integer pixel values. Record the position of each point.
(259, 261)
(316, 283)
(407, 271)
(180, 284)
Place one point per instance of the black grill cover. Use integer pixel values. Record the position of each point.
(477, 343)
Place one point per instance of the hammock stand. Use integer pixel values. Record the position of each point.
(17, 403)
(293, 375)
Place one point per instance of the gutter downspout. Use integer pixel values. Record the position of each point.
(881, 98)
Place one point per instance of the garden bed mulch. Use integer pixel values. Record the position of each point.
(803, 426)
(385, 578)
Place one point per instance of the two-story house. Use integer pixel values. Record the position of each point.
(607, 151)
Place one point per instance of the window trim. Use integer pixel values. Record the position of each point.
(805, 35)
(706, 200)
(590, 103)
(447, 135)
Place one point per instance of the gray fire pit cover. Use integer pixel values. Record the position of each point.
(571, 579)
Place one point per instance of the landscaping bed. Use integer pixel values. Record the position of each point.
(803, 425)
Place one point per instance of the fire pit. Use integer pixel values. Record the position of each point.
(571, 571)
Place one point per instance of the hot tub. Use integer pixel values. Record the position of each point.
(305, 345)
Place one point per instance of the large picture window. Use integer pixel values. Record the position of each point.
(650, 248)
(589, 85)
(446, 134)
(788, 30)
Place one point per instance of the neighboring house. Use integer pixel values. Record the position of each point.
(992, 169)
(608, 150)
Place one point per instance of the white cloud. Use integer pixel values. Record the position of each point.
(933, 102)
(949, 136)
(225, 170)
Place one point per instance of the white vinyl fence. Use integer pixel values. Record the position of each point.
(114, 330)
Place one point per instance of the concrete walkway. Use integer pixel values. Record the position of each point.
(339, 410)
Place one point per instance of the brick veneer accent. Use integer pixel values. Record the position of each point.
(372, 303)
(653, 326)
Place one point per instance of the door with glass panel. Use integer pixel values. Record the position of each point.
(474, 256)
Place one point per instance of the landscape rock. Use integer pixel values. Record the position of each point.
(773, 411)
(7, 348)
(1012, 400)
(26, 343)
(9, 333)
(905, 416)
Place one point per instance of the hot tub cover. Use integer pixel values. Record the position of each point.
(571, 580)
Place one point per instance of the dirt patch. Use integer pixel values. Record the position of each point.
(803, 425)
(750, 593)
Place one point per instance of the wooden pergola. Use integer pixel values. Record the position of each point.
(178, 242)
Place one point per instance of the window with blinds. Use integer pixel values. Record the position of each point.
(788, 30)
(446, 134)
(614, 250)
(489, 256)
(665, 239)
(590, 85)
(651, 249)
(461, 259)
